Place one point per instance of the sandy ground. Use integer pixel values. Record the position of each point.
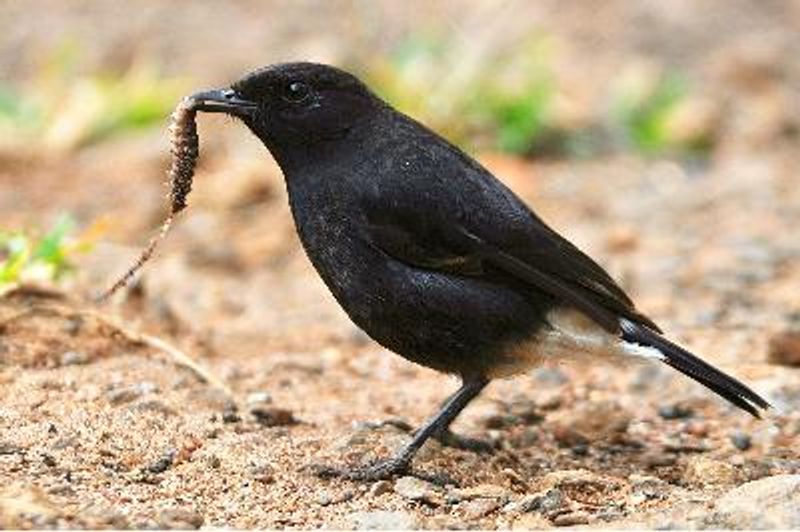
(102, 425)
(101, 429)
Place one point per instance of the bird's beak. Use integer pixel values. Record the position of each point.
(222, 101)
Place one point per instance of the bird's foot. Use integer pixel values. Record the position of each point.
(380, 470)
(449, 438)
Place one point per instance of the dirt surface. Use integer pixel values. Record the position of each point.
(103, 424)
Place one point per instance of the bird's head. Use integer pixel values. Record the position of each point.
(294, 104)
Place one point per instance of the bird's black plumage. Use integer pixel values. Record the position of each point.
(426, 250)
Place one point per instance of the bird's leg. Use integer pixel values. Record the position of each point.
(401, 462)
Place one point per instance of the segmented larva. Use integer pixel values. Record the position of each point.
(185, 151)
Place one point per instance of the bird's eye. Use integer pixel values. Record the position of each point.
(296, 92)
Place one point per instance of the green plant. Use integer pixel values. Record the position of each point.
(487, 102)
(517, 118)
(658, 115)
(25, 257)
(63, 109)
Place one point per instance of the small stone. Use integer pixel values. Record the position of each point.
(415, 489)
(544, 503)
(706, 471)
(380, 487)
(645, 488)
(768, 503)
(230, 414)
(741, 440)
(153, 405)
(382, 520)
(74, 358)
(697, 428)
(531, 522)
(656, 459)
(784, 349)
(566, 436)
(549, 400)
(525, 411)
(262, 473)
(592, 421)
(498, 421)
(675, 411)
(571, 519)
(258, 398)
(164, 462)
(477, 508)
(326, 499)
(176, 518)
(126, 394)
(481, 491)
(622, 240)
(273, 416)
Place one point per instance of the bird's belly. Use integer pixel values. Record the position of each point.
(450, 323)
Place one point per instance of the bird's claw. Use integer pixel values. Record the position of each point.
(449, 438)
(380, 470)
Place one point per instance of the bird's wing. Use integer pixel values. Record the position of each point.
(473, 225)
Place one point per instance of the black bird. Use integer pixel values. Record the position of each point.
(429, 253)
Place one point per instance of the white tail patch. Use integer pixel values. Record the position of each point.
(572, 336)
(574, 332)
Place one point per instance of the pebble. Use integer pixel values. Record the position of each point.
(706, 471)
(544, 503)
(566, 436)
(697, 428)
(784, 349)
(549, 400)
(380, 487)
(126, 394)
(477, 508)
(622, 239)
(382, 520)
(263, 473)
(176, 518)
(230, 414)
(767, 503)
(592, 421)
(675, 412)
(258, 398)
(273, 416)
(153, 405)
(531, 522)
(481, 491)
(74, 358)
(415, 489)
(741, 440)
(645, 488)
(571, 519)
(326, 499)
(163, 462)
(525, 411)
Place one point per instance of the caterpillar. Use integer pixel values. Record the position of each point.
(185, 149)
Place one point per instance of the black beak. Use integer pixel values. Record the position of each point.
(222, 101)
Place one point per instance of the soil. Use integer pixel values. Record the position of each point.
(205, 394)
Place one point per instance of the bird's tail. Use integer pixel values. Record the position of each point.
(695, 368)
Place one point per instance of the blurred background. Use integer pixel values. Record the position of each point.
(661, 137)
